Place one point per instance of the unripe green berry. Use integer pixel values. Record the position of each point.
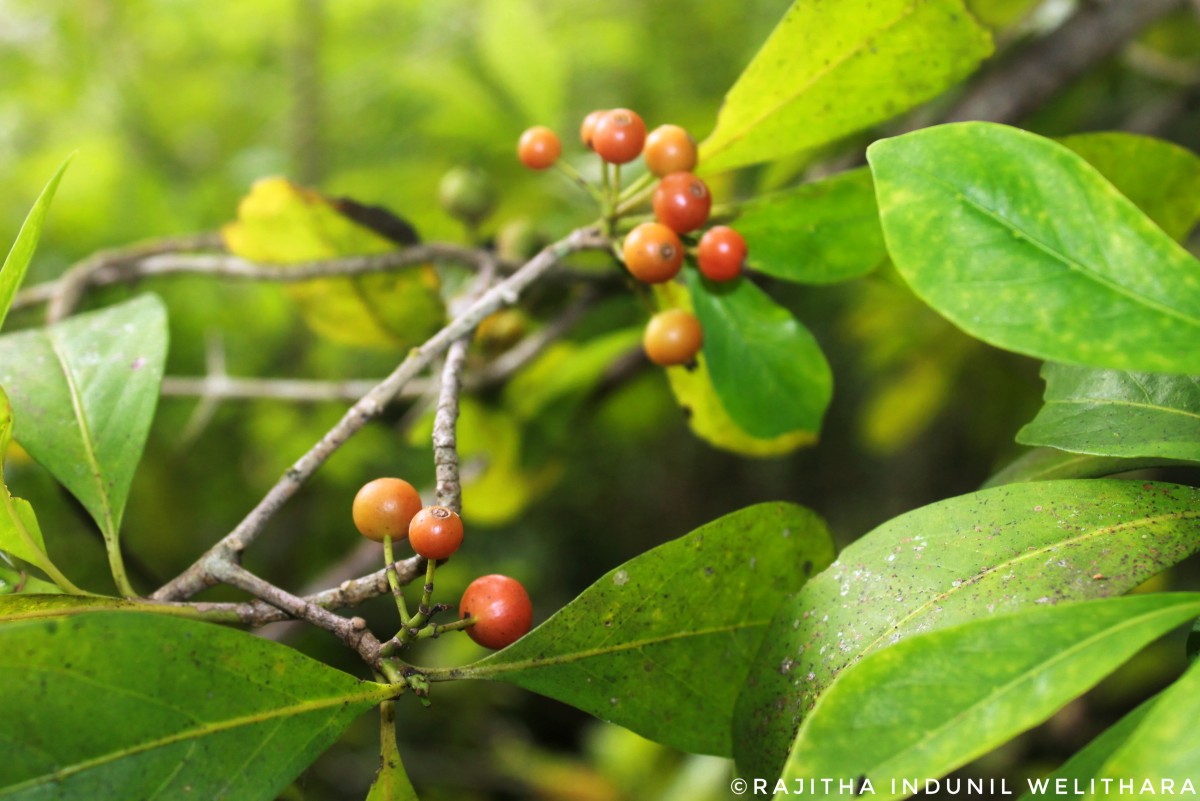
(467, 194)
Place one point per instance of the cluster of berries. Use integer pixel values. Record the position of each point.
(654, 252)
(391, 507)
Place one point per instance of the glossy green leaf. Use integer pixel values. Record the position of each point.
(765, 365)
(391, 782)
(84, 392)
(1164, 746)
(706, 414)
(1023, 244)
(281, 223)
(662, 643)
(1085, 765)
(994, 551)
(830, 69)
(1161, 178)
(111, 705)
(935, 701)
(12, 272)
(1111, 413)
(1044, 464)
(521, 53)
(817, 233)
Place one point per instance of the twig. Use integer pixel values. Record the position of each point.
(64, 294)
(1035, 73)
(445, 418)
(170, 257)
(349, 593)
(221, 387)
(352, 631)
(204, 572)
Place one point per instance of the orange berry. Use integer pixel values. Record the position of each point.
(588, 128)
(721, 253)
(669, 149)
(384, 508)
(539, 147)
(502, 610)
(435, 532)
(682, 202)
(652, 253)
(672, 337)
(619, 135)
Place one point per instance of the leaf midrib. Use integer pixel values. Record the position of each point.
(375, 693)
(484, 671)
(89, 446)
(1026, 554)
(1132, 404)
(1008, 686)
(1076, 267)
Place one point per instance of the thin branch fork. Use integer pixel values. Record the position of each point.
(352, 631)
(206, 571)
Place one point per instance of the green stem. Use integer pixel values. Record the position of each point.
(635, 194)
(389, 562)
(439, 630)
(393, 674)
(417, 621)
(116, 564)
(577, 178)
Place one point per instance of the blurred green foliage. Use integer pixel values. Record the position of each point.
(176, 108)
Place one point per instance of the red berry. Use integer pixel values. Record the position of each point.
(435, 532)
(619, 136)
(672, 337)
(682, 202)
(588, 128)
(539, 148)
(384, 508)
(669, 149)
(501, 608)
(652, 253)
(721, 254)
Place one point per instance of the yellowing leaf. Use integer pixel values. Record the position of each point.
(281, 223)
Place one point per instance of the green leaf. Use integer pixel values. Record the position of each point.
(1161, 178)
(995, 551)
(830, 69)
(20, 534)
(662, 643)
(1086, 763)
(766, 367)
(935, 701)
(1164, 745)
(84, 391)
(817, 233)
(999, 13)
(391, 782)
(12, 273)
(1023, 244)
(520, 53)
(1111, 413)
(706, 414)
(281, 223)
(116, 705)
(15, 581)
(1043, 464)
